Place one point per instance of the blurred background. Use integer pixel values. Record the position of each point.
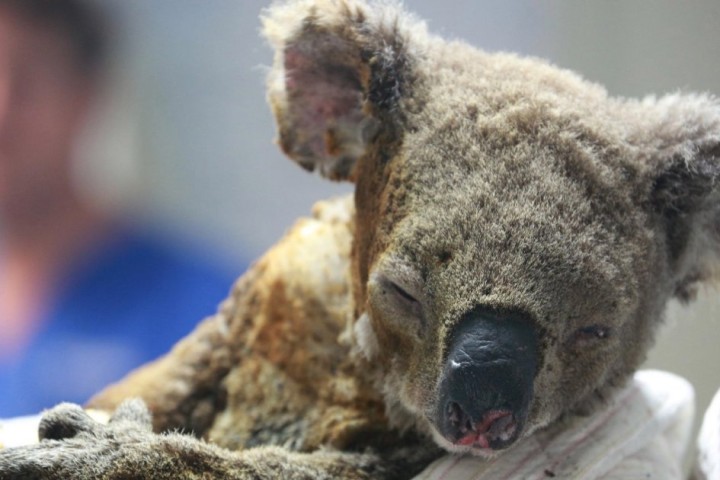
(183, 139)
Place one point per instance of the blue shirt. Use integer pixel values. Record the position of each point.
(123, 306)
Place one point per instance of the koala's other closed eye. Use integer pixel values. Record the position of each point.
(589, 334)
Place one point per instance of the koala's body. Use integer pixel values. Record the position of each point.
(508, 254)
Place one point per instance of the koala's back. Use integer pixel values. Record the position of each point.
(269, 368)
(292, 383)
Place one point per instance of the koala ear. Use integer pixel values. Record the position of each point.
(686, 185)
(340, 71)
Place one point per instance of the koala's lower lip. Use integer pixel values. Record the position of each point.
(475, 441)
(483, 443)
(501, 431)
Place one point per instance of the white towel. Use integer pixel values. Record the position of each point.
(642, 433)
(708, 466)
(19, 431)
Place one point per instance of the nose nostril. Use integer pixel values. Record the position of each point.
(459, 420)
(494, 421)
(468, 426)
(502, 427)
(456, 416)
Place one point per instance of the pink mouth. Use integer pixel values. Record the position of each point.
(495, 425)
(478, 440)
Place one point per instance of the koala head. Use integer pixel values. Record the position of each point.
(518, 232)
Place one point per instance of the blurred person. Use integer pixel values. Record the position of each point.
(84, 296)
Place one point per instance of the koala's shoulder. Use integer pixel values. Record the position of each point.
(312, 260)
(286, 316)
(300, 283)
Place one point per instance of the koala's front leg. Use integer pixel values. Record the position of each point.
(75, 446)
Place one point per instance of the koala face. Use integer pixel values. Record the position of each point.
(502, 293)
(518, 233)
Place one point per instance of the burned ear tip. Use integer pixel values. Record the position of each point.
(306, 165)
(343, 169)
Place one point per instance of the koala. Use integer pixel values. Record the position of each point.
(514, 237)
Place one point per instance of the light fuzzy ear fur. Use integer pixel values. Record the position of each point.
(340, 69)
(684, 146)
(365, 340)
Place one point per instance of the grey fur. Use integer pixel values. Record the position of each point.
(481, 179)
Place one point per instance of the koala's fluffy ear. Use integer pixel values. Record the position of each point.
(685, 169)
(340, 70)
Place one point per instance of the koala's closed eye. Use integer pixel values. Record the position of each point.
(400, 298)
(588, 335)
(403, 294)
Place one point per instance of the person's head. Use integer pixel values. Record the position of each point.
(52, 53)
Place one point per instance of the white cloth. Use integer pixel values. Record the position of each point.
(643, 433)
(708, 466)
(20, 431)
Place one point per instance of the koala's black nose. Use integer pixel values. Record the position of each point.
(487, 382)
